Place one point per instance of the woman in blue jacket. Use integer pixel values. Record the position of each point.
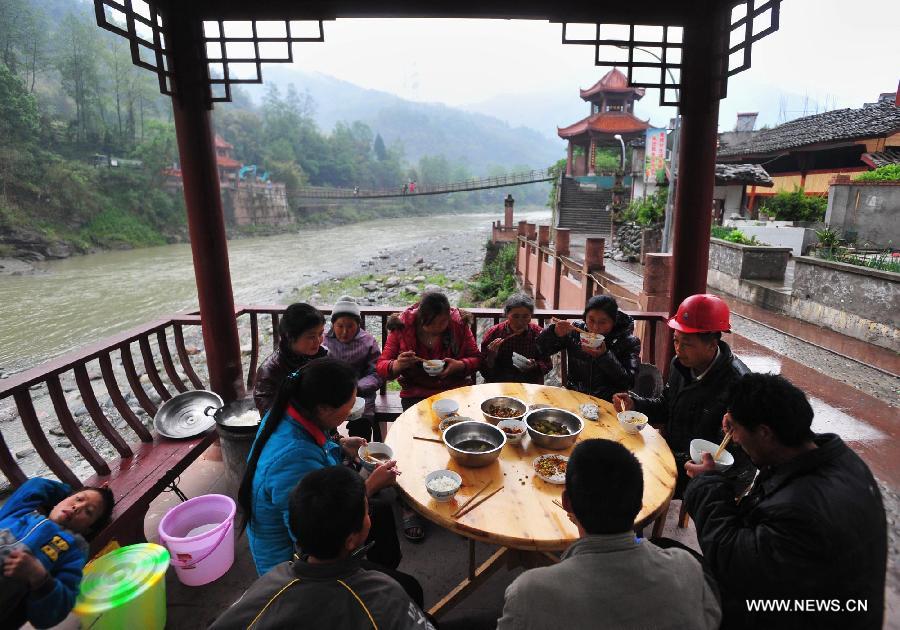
(43, 527)
(296, 438)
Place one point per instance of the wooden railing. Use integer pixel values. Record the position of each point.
(153, 341)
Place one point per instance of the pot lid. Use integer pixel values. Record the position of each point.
(121, 576)
(184, 415)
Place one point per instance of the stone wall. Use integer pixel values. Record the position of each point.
(748, 262)
(256, 204)
(867, 209)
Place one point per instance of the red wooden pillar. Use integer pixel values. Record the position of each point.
(569, 159)
(700, 91)
(206, 222)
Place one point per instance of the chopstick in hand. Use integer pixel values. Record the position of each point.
(557, 503)
(477, 503)
(470, 499)
(722, 446)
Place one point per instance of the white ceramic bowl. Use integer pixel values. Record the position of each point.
(591, 340)
(698, 447)
(513, 438)
(442, 495)
(358, 408)
(558, 479)
(375, 448)
(444, 407)
(632, 421)
(433, 367)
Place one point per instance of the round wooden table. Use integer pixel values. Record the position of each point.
(522, 515)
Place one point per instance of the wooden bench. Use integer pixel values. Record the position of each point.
(145, 466)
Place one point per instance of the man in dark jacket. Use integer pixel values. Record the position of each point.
(809, 538)
(700, 377)
(612, 364)
(325, 585)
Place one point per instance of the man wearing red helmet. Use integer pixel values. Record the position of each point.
(701, 374)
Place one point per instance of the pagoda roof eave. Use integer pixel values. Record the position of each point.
(605, 123)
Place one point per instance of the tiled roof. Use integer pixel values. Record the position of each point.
(872, 120)
(612, 81)
(221, 144)
(605, 122)
(743, 174)
(227, 162)
(882, 158)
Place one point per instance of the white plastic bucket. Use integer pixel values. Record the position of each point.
(199, 535)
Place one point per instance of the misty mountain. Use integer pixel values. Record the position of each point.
(478, 140)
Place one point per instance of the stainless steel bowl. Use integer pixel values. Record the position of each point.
(184, 415)
(474, 430)
(554, 442)
(507, 401)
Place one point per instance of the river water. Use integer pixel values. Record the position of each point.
(73, 302)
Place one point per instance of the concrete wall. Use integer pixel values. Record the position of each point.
(571, 292)
(778, 234)
(871, 210)
(748, 262)
(548, 275)
(732, 196)
(256, 204)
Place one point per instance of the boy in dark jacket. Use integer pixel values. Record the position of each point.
(811, 532)
(700, 379)
(326, 586)
(42, 551)
(607, 368)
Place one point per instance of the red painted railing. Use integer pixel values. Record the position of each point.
(153, 342)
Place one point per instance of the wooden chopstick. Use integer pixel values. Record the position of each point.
(556, 502)
(477, 503)
(722, 446)
(426, 439)
(470, 499)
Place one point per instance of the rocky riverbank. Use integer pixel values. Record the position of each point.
(394, 277)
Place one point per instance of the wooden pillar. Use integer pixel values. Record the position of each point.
(701, 77)
(593, 261)
(655, 297)
(562, 241)
(569, 157)
(206, 222)
(543, 242)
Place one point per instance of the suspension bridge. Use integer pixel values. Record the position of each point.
(500, 181)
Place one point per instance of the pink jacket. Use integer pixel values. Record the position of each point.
(457, 342)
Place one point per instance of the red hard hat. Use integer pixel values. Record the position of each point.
(702, 313)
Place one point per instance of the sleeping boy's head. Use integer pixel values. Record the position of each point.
(85, 511)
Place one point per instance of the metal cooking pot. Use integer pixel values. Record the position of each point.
(239, 416)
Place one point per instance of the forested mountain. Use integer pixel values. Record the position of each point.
(480, 142)
(71, 99)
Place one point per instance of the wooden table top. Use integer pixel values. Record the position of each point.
(522, 515)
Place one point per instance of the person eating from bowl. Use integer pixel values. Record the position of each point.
(300, 334)
(348, 341)
(608, 578)
(811, 528)
(326, 584)
(596, 367)
(515, 336)
(700, 378)
(295, 438)
(429, 330)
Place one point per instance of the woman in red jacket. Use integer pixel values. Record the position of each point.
(430, 329)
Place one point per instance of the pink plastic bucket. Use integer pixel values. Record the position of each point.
(199, 535)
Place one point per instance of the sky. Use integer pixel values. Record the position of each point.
(826, 55)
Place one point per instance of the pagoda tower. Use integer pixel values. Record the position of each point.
(612, 112)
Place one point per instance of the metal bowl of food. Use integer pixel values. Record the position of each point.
(503, 408)
(553, 428)
(474, 444)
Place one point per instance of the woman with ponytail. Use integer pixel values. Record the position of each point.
(295, 439)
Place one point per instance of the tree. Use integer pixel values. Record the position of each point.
(18, 110)
(379, 148)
